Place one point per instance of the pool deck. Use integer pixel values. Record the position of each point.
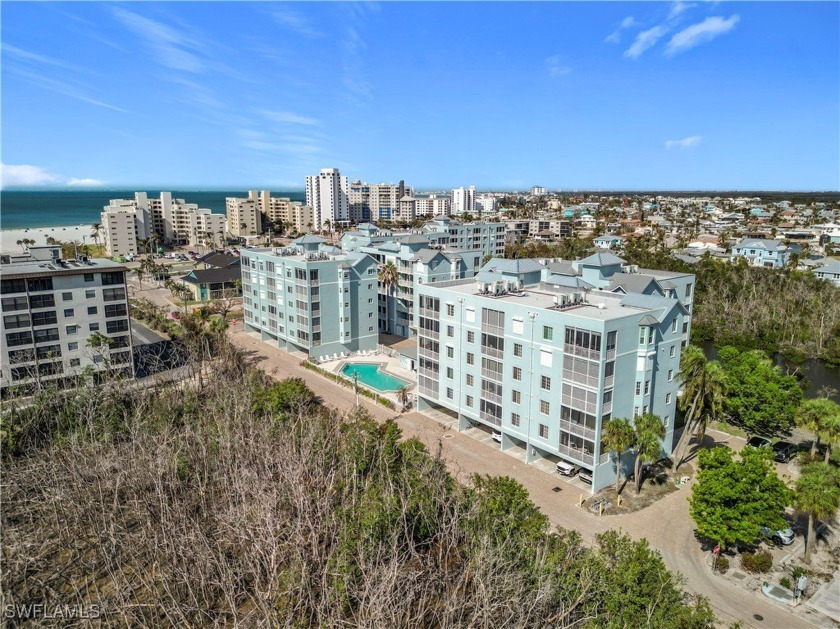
(386, 364)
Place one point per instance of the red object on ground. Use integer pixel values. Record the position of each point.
(176, 314)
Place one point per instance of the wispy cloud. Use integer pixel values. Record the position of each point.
(85, 182)
(288, 17)
(555, 66)
(615, 36)
(705, 31)
(63, 88)
(291, 118)
(171, 48)
(644, 40)
(28, 56)
(678, 8)
(686, 143)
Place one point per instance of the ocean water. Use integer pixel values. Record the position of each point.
(21, 209)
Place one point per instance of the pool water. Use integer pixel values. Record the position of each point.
(370, 375)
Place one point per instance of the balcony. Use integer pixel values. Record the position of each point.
(579, 430)
(579, 378)
(495, 376)
(583, 352)
(430, 314)
(490, 419)
(576, 455)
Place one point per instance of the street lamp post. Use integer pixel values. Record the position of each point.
(533, 317)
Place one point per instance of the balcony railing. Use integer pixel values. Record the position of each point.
(579, 378)
(583, 352)
(587, 407)
(492, 351)
(491, 397)
(431, 314)
(490, 419)
(495, 376)
(575, 454)
(578, 429)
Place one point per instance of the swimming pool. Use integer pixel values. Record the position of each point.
(370, 374)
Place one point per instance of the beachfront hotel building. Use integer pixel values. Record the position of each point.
(50, 309)
(311, 298)
(327, 193)
(164, 219)
(243, 215)
(546, 352)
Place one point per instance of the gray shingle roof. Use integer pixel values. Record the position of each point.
(521, 265)
(632, 282)
(308, 239)
(602, 258)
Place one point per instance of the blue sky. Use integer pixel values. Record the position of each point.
(700, 95)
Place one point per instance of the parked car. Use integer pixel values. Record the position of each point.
(585, 476)
(758, 442)
(784, 451)
(782, 537)
(567, 469)
(497, 436)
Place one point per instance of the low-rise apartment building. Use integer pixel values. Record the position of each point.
(51, 308)
(311, 298)
(546, 358)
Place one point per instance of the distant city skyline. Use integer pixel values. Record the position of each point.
(504, 96)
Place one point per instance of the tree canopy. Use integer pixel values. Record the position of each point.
(735, 496)
(759, 397)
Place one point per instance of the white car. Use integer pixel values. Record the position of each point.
(567, 469)
(497, 436)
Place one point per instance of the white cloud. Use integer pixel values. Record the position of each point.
(555, 66)
(26, 175)
(167, 44)
(686, 143)
(291, 118)
(704, 31)
(615, 36)
(295, 21)
(645, 40)
(26, 55)
(679, 7)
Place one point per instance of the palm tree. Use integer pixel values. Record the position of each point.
(831, 434)
(818, 495)
(140, 272)
(704, 388)
(388, 275)
(402, 397)
(20, 244)
(144, 243)
(97, 231)
(648, 430)
(815, 415)
(617, 436)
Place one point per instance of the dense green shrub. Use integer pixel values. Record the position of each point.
(757, 562)
(785, 583)
(722, 565)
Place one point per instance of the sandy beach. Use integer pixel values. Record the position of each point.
(66, 233)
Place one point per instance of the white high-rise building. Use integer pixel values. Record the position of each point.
(539, 191)
(243, 215)
(433, 205)
(327, 195)
(166, 220)
(463, 200)
(373, 202)
(486, 204)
